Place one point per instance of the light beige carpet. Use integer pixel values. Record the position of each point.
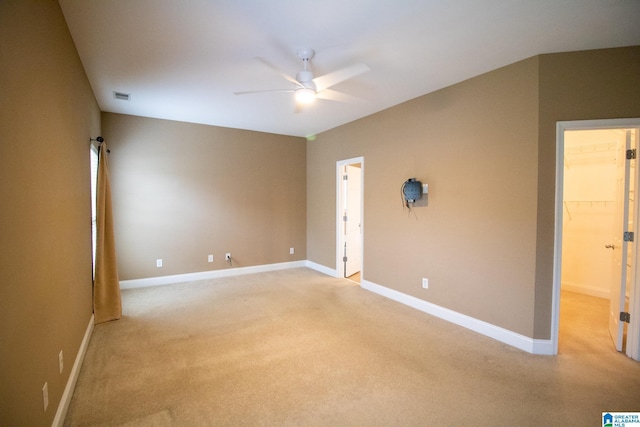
(296, 347)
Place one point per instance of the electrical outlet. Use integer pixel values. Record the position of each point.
(159, 262)
(425, 283)
(60, 361)
(227, 256)
(210, 258)
(45, 396)
(292, 251)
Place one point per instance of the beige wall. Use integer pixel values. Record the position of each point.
(182, 191)
(588, 85)
(48, 113)
(486, 147)
(475, 144)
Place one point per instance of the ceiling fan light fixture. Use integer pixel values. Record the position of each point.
(305, 95)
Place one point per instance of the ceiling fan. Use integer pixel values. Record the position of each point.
(308, 88)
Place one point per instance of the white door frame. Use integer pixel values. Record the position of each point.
(339, 241)
(633, 331)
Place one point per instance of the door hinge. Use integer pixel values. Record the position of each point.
(631, 154)
(628, 236)
(625, 317)
(344, 218)
(346, 177)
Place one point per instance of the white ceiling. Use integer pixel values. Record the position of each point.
(183, 60)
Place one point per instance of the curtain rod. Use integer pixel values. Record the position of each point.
(99, 141)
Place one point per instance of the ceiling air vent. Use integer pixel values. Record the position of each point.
(121, 96)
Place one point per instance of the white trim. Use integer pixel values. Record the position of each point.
(65, 400)
(633, 330)
(542, 347)
(557, 237)
(633, 344)
(527, 344)
(506, 336)
(322, 269)
(204, 275)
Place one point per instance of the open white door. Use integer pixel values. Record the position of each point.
(352, 220)
(349, 213)
(623, 236)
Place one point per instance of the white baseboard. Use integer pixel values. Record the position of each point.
(63, 406)
(586, 290)
(322, 269)
(506, 336)
(530, 345)
(543, 347)
(204, 275)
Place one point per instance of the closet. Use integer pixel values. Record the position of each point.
(592, 170)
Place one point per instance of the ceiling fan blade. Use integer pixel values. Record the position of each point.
(334, 95)
(247, 92)
(331, 79)
(279, 71)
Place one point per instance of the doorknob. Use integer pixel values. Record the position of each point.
(610, 246)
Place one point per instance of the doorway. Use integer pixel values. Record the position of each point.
(349, 218)
(595, 207)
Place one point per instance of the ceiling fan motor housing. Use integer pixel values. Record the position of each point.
(304, 76)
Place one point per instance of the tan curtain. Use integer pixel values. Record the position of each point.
(106, 287)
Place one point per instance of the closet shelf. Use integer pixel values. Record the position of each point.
(603, 147)
(590, 202)
(571, 204)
